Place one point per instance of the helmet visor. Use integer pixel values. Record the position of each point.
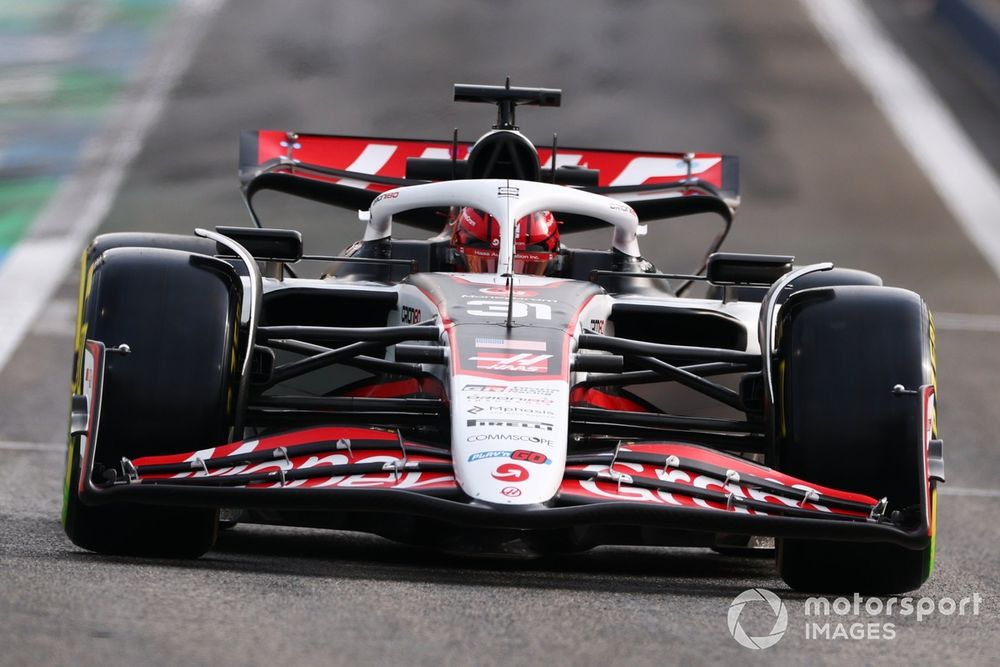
(486, 260)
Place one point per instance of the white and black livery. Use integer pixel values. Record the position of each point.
(499, 410)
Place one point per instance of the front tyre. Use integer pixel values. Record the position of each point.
(175, 391)
(841, 351)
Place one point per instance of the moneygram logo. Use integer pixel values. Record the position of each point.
(754, 603)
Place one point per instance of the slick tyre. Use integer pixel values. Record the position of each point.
(841, 351)
(178, 313)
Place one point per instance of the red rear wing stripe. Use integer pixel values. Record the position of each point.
(386, 157)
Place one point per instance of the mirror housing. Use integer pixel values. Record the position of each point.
(729, 268)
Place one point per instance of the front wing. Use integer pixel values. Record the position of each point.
(365, 469)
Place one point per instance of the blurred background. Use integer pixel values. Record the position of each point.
(125, 115)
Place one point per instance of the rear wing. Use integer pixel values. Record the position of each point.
(351, 171)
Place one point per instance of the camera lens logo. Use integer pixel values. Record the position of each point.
(774, 607)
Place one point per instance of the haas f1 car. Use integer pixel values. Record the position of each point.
(490, 390)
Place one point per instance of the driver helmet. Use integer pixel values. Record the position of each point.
(476, 239)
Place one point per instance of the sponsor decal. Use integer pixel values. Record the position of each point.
(511, 192)
(409, 315)
(682, 477)
(493, 454)
(510, 472)
(516, 455)
(506, 401)
(385, 195)
(468, 219)
(505, 344)
(510, 389)
(510, 423)
(519, 309)
(517, 411)
(598, 487)
(511, 491)
(405, 480)
(483, 437)
(597, 325)
(623, 208)
(530, 456)
(517, 363)
(502, 292)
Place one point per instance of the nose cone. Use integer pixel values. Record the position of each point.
(509, 438)
(508, 386)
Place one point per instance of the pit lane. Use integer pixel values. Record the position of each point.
(823, 178)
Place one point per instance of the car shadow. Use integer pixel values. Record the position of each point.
(300, 552)
(322, 553)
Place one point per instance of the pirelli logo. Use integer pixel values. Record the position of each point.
(510, 423)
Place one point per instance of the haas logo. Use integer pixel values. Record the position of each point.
(510, 472)
(523, 362)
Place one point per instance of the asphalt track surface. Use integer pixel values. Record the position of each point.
(823, 178)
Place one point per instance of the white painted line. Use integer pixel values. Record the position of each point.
(43, 263)
(964, 180)
(36, 266)
(946, 490)
(967, 322)
(14, 445)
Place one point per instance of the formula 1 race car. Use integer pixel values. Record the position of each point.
(491, 391)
